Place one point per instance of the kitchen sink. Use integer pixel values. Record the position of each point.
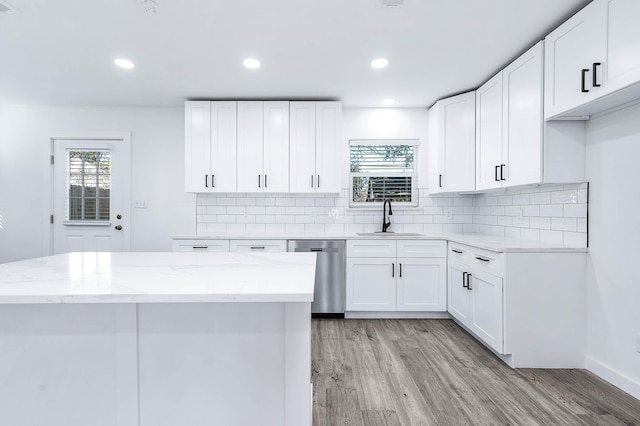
(389, 234)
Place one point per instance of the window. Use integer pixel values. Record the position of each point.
(89, 185)
(383, 170)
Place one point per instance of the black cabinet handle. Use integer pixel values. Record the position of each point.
(206, 181)
(584, 76)
(595, 73)
(199, 247)
(265, 181)
(457, 251)
(213, 181)
(464, 280)
(401, 270)
(318, 181)
(483, 259)
(469, 282)
(259, 177)
(496, 174)
(440, 181)
(393, 270)
(312, 181)
(257, 247)
(502, 171)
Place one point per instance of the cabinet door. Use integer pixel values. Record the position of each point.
(522, 119)
(371, 284)
(302, 146)
(276, 146)
(328, 147)
(250, 146)
(422, 284)
(489, 134)
(459, 298)
(458, 132)
(571, 48)
(623, 39)
(197, 153)
(223, 147)
(486, 290)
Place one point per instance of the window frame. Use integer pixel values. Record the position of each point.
(414, 175)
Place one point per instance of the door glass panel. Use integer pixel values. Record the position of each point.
(89, 185)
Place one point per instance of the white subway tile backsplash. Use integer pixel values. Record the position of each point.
(553, 213)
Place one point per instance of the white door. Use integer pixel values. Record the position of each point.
(250, 146)
(197, 152)
(371, 284)
(328, 143)
(489, 164)
(486, 290)
(422, 284)
(522, 122)
(223, 147)
(571, 52)
(303, 146)
(276, 146)
(458, 295)
(458, 159)
(623, 39)
(91, 195)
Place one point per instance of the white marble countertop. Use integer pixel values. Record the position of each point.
(487, 242)
(159, 278)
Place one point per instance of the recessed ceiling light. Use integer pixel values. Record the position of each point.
(379, 63)
(251, 63)
(124, 63)
(388, 102)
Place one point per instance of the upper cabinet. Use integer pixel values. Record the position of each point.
(592, 61)
(452, 133)
(210, 146)
(315, 134)
(513, 145)
(263, 146)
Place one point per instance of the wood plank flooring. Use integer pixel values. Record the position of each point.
(431, 372)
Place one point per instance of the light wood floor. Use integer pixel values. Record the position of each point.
(431, 372)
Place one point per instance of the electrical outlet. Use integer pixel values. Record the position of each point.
(638, 342)
(140, 204)
(312, 214)
(448, 213)
(519, 217)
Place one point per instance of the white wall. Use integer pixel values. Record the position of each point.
(613, 280)
(157, 173)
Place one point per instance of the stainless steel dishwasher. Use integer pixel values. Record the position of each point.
(329, 293)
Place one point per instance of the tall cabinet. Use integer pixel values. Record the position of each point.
(452, 131)
(514, 146)
(210, 146)
(315, 135)
(263, 146)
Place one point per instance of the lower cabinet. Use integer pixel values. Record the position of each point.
(225, 246)
(389, 283)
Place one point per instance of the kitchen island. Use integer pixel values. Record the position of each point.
(156, 339)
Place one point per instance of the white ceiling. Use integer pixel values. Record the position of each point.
(61, 52)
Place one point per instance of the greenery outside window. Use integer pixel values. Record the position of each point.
(383, 170)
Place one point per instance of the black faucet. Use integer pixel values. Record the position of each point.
(386, 222)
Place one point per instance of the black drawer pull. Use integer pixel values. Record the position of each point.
(200, 247)
(457, 251)
(584, 76)
(483, 259)
(257, 247)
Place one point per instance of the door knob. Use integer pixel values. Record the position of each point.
(118, 227)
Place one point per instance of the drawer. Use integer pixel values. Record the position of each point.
(258, 246)
(371, 248)
(488, 261)
(459, 252)
(213, 246)
(421, 248)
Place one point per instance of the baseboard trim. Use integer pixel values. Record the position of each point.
(397, 315)
(613, 376)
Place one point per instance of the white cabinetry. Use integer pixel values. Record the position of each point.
(402, 275)
(529, 307)
(210, 146)
(210, 246)
(258, 246)
(263, 146)
(452, 132)
(513, 144)
(315, 136)
(591, 56)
